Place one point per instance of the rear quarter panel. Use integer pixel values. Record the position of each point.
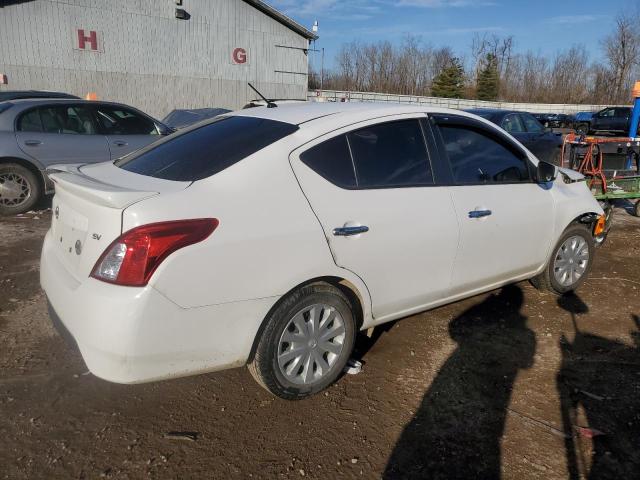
(268, 240)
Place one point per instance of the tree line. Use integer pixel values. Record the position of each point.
(492, 69)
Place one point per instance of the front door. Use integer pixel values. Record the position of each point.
(126, 130)
(374, 190)
(505, 217)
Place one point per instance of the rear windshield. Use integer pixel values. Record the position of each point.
(206, 150)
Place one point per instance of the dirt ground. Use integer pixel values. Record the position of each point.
(515, 384)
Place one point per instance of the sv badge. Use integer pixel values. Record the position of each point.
(95, 236)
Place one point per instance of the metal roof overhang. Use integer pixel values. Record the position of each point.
(282, 18)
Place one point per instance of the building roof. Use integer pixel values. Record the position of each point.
(282, 18)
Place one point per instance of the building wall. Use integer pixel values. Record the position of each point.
(148, 58)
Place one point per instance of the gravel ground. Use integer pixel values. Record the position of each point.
(516, 384)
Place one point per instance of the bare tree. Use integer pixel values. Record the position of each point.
(409, 67)
(622, 51)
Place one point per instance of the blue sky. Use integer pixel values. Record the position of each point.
(544, 26)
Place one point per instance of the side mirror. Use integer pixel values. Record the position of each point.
(164, 129)
(546, 172)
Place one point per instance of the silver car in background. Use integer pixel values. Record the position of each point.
(38, 133)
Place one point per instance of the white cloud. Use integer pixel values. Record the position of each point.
(574, 19)
(342, 9)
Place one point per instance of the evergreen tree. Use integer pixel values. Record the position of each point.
(488, 79)
(449, 83)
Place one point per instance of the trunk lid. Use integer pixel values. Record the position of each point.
(87, 209)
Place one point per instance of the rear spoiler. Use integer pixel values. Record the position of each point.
(70, 178)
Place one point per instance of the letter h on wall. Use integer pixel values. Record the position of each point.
(91, 39)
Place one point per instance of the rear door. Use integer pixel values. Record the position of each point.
(620, 121)
(505, 217)
(61, 133)
(375, 190)
(126, 129)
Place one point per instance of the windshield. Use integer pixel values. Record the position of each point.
(206, 150)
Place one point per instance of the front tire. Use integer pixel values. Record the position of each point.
(19, 189)
(570, 261)
(306, 343)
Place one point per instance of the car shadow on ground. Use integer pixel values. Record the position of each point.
(456, 431)
(599, 387)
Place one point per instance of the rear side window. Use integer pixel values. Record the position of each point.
(206, 150)
(332, 160)
(392, 154)
(30, 122)
(62, 119)
(477, 157)
(513, 124)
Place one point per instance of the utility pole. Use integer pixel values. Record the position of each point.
(322, 70)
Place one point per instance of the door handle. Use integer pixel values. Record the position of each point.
(120, 143)
(479, 213)
(348, 231)
(32, 143)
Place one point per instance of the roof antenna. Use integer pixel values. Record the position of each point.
(270, 103)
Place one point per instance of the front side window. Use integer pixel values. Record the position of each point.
(390, 154)
(609, 112)
(122, 121)
(477, 157)
(205, 150)
(531, 124)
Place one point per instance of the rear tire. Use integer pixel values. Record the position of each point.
(20, 189)
(306, 343)
(569, 265)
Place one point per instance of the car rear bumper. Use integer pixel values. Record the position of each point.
(134, 335)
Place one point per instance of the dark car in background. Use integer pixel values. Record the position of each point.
(38, 133)
(541, 141)
(559, 120)
(21, 94)
(582, 121)
(543, 118)
(611, 120)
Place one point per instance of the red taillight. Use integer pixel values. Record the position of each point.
(133, 257)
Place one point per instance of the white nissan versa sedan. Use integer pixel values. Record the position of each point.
(270, 236)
